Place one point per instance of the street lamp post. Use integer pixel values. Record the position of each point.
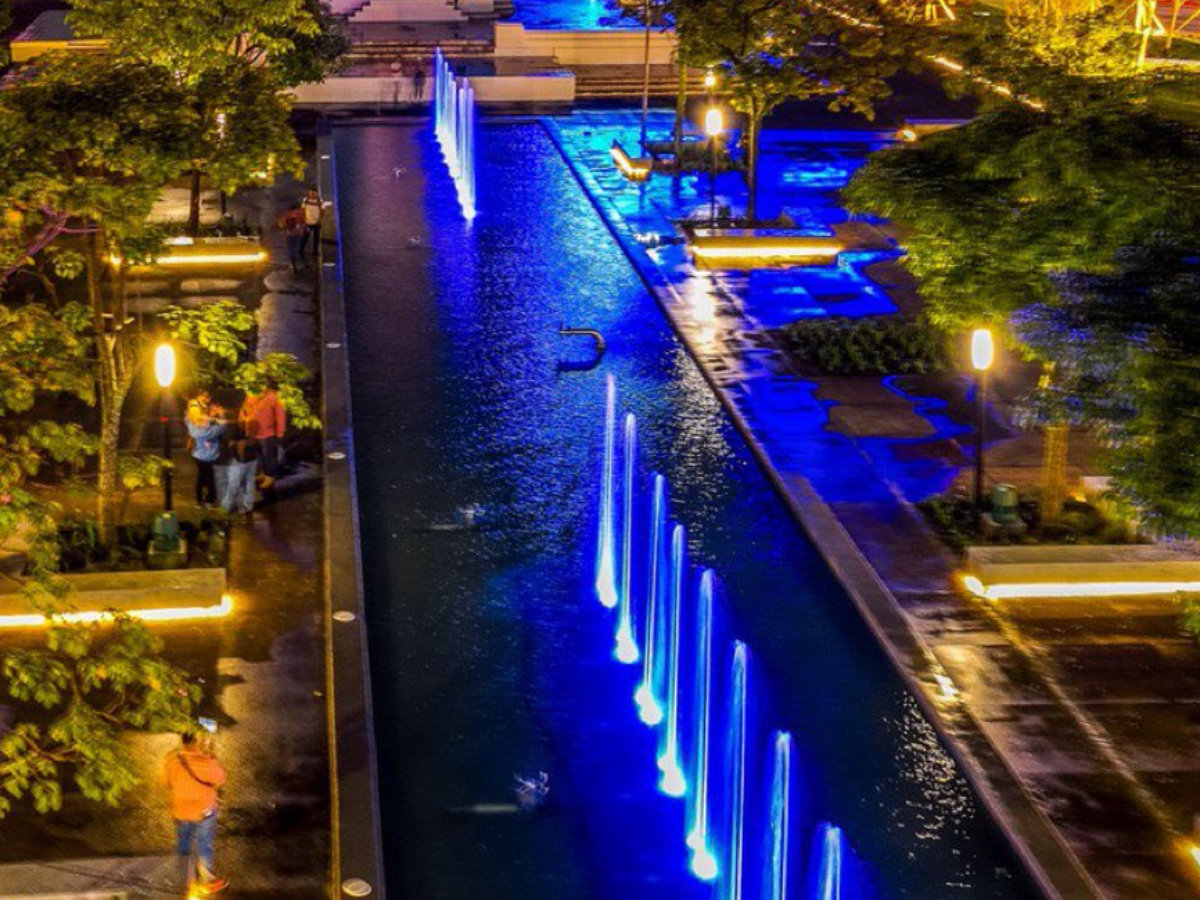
(164, 372)
(983, 352)
(713, 126)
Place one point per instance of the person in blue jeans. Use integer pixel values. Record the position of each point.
(204, 426)
(235, 470)
(194, 779)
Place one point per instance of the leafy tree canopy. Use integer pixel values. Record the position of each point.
(190, 37)
(991, 211)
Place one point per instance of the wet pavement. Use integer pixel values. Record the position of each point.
(262, 671)
(1079, 729)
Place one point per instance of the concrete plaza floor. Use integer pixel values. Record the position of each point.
(262, 669)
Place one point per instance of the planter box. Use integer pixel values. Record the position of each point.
(178, 594)
(1144, 572)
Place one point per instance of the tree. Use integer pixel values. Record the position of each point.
(192, 37)
(774, 50)
(91, 682)
(1127, 344)
(315, 54)
(90, 142)
(217, 50)
(994, 213)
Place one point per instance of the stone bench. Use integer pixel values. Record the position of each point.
(1141, 572)
(176, 594)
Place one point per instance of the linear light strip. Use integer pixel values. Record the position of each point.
(1011, 591)
(154, 614)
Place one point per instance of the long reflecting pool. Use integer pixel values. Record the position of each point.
(491, 659)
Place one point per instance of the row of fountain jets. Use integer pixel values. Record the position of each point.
(678, 682)
(454, 126)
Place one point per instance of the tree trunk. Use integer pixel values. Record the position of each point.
(752, 162)
(1054, 471)
(193, 223)
(111, 388)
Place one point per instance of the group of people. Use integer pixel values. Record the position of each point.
(236, 458)
(302, 224)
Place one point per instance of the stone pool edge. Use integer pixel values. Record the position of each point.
(1048, 861)
(354, 784)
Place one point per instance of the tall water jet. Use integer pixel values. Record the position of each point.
(606, 575)
(738, 700)
(454, 127)
(779, 824)
(673, 782)
(830, 857)
(703, 863)
(627, 648)
(649, 709)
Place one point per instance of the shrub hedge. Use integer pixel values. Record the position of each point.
(872, 345)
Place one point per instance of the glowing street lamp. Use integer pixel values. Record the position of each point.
(713, 126)
(164, 373)
(983, 352)
(710, 80)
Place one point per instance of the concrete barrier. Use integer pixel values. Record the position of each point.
(612, 47)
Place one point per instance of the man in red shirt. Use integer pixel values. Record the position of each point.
(264, 419)
(193, 778)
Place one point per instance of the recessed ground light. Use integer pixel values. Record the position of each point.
(333, 345)
(355, 887)
(336, 454)
(344, 615)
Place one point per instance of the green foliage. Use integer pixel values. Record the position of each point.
(314, 55)
(291, 376)
(1127, 351)
(775, 50)
(874, 345)
(87, 144)
(90, 682)
(192, 37)
(992, 210)
(218, 328)
(1189, 619)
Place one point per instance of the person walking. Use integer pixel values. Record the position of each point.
(295, 231)
(194, 779)
(264, 419)
(204, 427)
(314, 210)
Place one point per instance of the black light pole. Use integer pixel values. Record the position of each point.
(982, 354)
(712, 127)
(164, 372)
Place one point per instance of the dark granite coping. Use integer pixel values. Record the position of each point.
(357, 847)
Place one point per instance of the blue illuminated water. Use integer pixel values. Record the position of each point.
(490, 654)
(583, 15)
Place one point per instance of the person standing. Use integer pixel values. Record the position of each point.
(314, 210)
(264, 419)
(295, 230)
(204, 427)
(193, 778)
(235, 470)
(418, 81)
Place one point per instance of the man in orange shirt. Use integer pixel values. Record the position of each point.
(193, 778)
(264, 418)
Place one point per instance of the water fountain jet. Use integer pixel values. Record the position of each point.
(649, 709)
(673, 782)
(606, 584)
(627, 648)
(703, 863)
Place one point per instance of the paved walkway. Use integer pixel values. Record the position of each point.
(262, 670)
(1077, 727)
